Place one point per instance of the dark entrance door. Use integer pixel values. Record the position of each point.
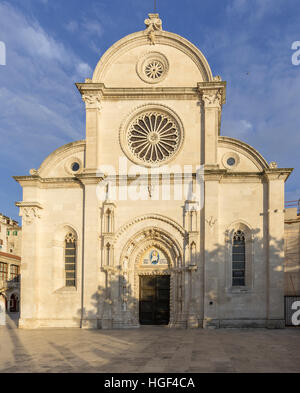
(154, 300)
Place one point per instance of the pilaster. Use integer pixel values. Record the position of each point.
(93, 111)
(211, 253)
(275, 179)
(31, 215)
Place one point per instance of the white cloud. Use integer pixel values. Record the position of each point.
(39, 103)
(84, 70)
(254, 9)
(72, 26)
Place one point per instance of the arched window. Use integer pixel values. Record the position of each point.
(238, 259)
(70, 260)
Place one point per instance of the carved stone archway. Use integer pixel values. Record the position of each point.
(131, 268)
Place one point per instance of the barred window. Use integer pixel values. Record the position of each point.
(14, 273)
(70, 260)
(238, 259)
(3, 271)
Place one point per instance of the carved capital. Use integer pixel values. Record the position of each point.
(212, 99)
(30, 212)
(92, 101)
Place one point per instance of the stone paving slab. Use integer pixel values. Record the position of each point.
(149, 349)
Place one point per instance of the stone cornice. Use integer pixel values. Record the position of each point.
(28, 181)
(292, 221)
(133, 93)
(209, 175)
(277, 173)
(29, 204)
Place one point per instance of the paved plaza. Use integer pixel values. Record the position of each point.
(149, 349)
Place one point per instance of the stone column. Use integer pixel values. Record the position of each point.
(93, 108)
(275, 241)
(211, 251)
(29, 296)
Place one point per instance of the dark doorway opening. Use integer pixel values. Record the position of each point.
(154, 300)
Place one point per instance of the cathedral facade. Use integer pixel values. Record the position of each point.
(154, 218)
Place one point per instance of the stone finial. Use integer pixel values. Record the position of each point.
(217, 78)
(33, 172)
(88, 80)
(273, 165)
(153, 24)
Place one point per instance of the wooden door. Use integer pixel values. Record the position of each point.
(154, 300)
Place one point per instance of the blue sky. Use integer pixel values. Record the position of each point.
(51, 44)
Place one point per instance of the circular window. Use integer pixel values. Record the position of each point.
(231, 161)
(153, 67)
(75, 167)
(153, 137)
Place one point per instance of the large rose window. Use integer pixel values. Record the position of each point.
(153, 137)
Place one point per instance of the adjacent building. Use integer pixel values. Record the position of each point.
(292, 252)
(10, 261)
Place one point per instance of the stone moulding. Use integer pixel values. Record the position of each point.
(246, 149)
(60, 153)
(133, 251)
(158, 217)
(161, 37)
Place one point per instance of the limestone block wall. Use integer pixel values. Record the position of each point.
(292, 253)
(241, 206)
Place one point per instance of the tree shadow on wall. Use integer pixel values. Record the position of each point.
(111, 306)
(114, 305)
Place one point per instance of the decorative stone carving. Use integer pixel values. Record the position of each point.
(212, 99)
(92, 101)
(217, 78)
(273, 165)
(30, 214)
(153, 23)
(153, 137)
(152, 67)
(211, 221)
(33, 172)
(159, 127)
